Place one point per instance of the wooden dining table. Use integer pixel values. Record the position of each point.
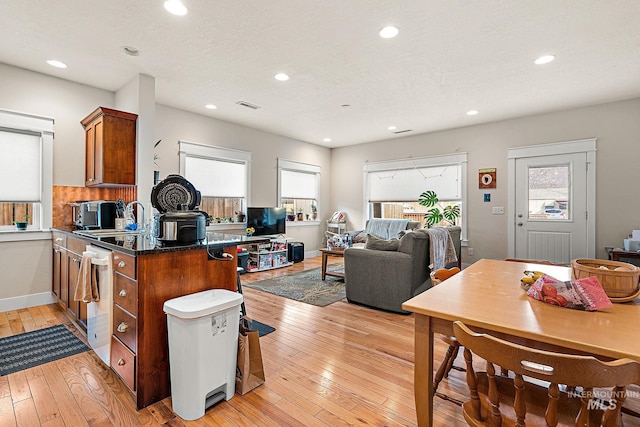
(488, 298)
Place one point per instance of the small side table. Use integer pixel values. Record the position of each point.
(334, 253)
(625, 256)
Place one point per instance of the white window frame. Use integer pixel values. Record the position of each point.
(211, 152)
(458, 159)
(294, 166)
(12, 121)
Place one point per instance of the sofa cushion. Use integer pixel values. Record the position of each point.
(376, 243)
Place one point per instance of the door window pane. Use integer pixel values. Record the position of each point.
(549, 193)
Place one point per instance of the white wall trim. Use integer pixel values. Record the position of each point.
(587, 146)
(26, 301)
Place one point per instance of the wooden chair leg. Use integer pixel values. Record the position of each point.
(443, 369)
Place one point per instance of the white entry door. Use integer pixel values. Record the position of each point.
(551, 207)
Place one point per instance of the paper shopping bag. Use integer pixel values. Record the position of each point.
(249, 370)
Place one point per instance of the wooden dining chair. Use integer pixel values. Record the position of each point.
(511, 401)
(437, 277)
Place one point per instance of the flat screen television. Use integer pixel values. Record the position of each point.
(266, 221)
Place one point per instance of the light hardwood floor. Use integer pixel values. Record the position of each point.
(325, 366)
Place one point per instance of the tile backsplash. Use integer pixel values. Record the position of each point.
(63, 195)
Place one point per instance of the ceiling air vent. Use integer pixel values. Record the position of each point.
(402, 131)
(248, 105)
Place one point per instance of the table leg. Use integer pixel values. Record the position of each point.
(423, 370)
(324, 265)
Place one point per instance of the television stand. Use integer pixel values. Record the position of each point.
(267, 256)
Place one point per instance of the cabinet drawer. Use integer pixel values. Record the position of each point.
(59, 239)
(123, 361)
(76, 246)
(124, 327)
(125, 293)
(124, 264)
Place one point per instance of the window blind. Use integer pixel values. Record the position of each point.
(298, 185)
(216, 178)
(20, 167)
(402, 185)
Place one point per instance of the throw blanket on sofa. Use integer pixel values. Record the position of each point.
(441, 249)
(386, 228)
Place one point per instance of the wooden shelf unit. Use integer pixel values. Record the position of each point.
(267, 256)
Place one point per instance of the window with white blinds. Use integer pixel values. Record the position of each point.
(298, 187)
(401, 185)
(392, 189)
(222, 176)
(20, 166)
(26, 170)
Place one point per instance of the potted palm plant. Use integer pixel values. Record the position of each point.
(437, 213)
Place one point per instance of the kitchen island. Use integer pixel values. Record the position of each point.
(146, 274)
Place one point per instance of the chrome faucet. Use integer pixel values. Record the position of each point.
(130, 210)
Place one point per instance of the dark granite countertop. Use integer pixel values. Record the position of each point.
(139, 244)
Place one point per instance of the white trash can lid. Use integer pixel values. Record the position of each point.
(202, 303)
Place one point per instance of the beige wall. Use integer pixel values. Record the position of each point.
(616, 125)
(27, 265)
(173, 125)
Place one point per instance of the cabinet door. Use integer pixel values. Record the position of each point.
(93, 161)
(57, 270)
(73, 269)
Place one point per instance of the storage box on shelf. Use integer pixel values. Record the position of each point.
(266, 256)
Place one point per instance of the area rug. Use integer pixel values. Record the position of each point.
(34, 348)
(305, 286)
(261, 328)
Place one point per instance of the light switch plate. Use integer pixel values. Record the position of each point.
(498, 210)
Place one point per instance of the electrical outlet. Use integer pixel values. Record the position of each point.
(470, 251)
(498, 210)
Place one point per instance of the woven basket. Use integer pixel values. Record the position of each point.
(618, 284)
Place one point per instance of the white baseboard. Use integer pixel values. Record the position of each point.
(26, 301)
(311, 254)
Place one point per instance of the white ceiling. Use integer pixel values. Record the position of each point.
(450, 57)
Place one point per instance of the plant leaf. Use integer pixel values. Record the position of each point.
(450, 213)
(433, 216)
(428, 198)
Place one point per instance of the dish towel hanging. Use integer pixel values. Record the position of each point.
(87, 284)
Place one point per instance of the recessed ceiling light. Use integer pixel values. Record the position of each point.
(130, 50)
(282, 77)
(389, 32)
(327, 140)
(210, 106)
(472, 113)
(175, 7)
(544, 59)
(56, 63)
(392, 127)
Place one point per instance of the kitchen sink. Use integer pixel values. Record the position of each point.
(109, 233)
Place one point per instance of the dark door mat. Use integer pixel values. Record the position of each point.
(261, 328)
(35, 348)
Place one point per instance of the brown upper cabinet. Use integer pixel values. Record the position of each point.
(110, 137)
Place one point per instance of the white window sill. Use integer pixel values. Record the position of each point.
(302, 223)
(24, 235)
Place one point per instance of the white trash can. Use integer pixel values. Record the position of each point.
(203, 348)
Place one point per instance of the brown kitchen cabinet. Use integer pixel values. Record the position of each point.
(67, 255)
(60, 269)
(110, 144)
(142, 281)
(142, 284)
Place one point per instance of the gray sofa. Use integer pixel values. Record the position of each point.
(384, 279)
(382, 227)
